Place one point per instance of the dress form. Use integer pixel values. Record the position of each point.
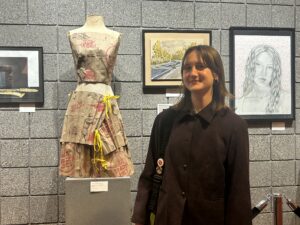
(98, 47)
(93, 142)
(95, 24)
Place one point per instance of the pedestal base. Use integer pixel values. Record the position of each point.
(97, 201)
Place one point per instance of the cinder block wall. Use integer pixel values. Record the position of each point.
(31, 190)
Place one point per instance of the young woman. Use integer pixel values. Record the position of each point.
(206, 163)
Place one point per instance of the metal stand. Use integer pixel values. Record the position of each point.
(293, 206)
(277, 206)
(277, 203)
(260, 206)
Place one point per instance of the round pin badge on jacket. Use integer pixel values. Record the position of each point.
(160, 162)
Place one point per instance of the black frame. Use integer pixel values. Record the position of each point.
(21, 75)
(202, 37)
(244, 40)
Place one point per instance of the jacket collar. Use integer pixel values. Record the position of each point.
(206, 113)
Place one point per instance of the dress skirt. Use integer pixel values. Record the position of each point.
(93, 142)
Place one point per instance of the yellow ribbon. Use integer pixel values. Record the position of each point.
(152, 218)
(107, 101)
(98, 149)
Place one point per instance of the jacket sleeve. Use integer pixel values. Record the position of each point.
(145, 181)
(237, 200)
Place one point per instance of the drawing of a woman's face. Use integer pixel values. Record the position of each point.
(264, 68)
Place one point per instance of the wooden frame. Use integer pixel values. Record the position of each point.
(262, 65)
(163, 52)
(21, 75)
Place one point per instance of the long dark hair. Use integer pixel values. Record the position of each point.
(212, 59)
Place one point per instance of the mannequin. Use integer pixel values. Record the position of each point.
(93, 143)
(95, 23)
(84, 40)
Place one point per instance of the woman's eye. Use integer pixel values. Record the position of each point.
(270, 69)
(200, 67)
(257, 64)
(187, 68)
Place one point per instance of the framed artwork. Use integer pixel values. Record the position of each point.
(262, 66)
(163, 52)
(21, 75)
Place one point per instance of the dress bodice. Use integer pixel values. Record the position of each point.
(94, 56)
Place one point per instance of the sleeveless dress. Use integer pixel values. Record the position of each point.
(93, 142)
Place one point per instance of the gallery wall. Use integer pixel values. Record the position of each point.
(31, 192)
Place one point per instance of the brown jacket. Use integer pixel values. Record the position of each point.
(206, 173)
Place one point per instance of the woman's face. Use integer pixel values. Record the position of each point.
(197, 78)
(263, 70)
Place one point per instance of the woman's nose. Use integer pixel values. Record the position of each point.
(265, 72)
(194, 71)
(262, 71)
(258, 72)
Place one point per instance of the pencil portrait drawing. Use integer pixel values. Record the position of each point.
(262, 71)
(262, 89)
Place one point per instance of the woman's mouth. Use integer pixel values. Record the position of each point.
(193, 81)
(261, 79)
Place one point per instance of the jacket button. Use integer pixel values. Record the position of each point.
(183, 194)
(184, 166)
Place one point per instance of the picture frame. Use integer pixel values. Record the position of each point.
(262, 73)
(21, 75)
(163, 51)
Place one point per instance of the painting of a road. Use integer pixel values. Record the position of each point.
(163, 52)
(166, 71)
(166, 57)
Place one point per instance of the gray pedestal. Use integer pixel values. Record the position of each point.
(98, 201)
